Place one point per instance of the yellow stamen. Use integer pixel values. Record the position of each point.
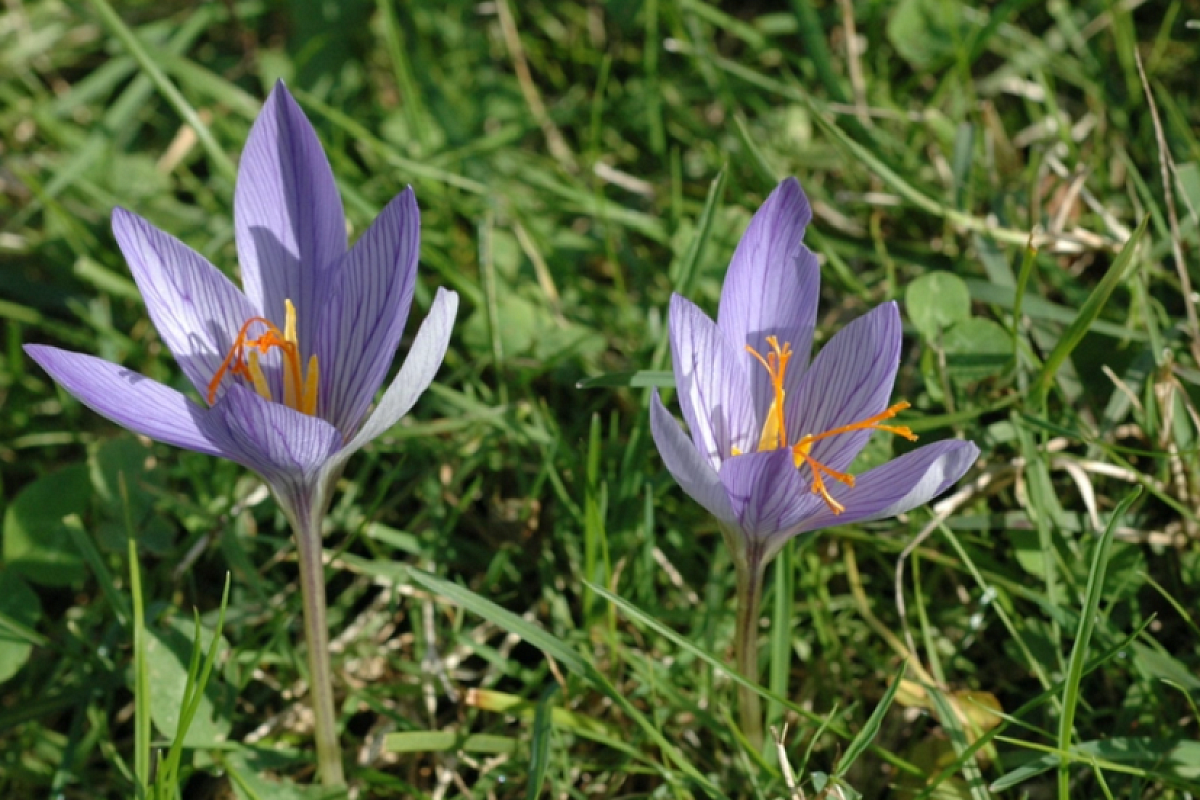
(257, 377)
(289, 322)
(310, 387)
(299, 389)
(774, 432)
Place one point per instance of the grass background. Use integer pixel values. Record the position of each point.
(523, 603)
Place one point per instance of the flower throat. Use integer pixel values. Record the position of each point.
(774, 431)
(299, 385)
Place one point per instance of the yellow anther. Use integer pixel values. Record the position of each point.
(774, 434)
(257, 377)
(289, 322)
(311, 380)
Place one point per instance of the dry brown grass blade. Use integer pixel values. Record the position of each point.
(1167, 168)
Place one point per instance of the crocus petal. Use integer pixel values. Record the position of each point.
(289, 222)
(284, 446)
(197, 310)
(422, 363)
(128, 398)
(772, 287)
(711, 381)
(899, 485)
(364, 313)
(694, 473)
(849, 380)
(767, 493)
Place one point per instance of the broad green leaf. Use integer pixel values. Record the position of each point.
(123, 460)
(975, 349)
(530, 329)
(247, 772)
(937, 301)
(37, 543)
(927, 32)
(20, 610)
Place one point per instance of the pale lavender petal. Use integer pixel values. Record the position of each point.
(289, 222)
(420, 366)
(128, 398)
(899, 485)
(850, 380)
(772, 287)
(711, 381)
(197, 310)
(694, 474)
(767, 493)
(364, 313)
(286, 447)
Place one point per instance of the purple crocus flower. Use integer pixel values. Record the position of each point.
(288, 368)
(772, 435)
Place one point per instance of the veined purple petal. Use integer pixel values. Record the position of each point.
(767, 493)
(772, 288)
(420, 365)
(289, 222)
(711, 381)
(128, 398)
(197, 310)
(899, 485)
(364, 313)
(850, 380)
(286, 447)
(694, 473)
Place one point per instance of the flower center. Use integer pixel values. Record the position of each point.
(242, 360)
(774, 432)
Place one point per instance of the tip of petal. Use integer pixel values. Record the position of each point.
(279, 92)
(788, 204)
(121, 217)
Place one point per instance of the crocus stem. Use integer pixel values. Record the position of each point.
(320, 674)
(749, 598)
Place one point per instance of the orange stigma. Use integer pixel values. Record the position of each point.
(242, 360)
(774, 432)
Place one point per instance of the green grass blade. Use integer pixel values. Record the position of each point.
(1083, 636)
(117, 26)
(141, 675)
(104, 576)
(539, 758)
(1091, 309)
(549, 644)
(444, 741)
(197, 680)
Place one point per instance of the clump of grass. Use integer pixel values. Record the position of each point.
(521, 599)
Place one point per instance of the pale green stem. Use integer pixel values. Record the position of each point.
(316, 636)
(749, 598)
